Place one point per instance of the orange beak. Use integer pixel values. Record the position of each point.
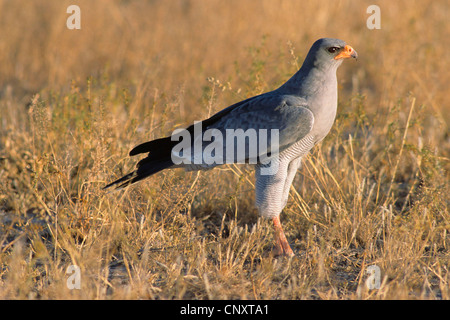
(348, 52)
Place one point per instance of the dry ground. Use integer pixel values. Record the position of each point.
(74, 102)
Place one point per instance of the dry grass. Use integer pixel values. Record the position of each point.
(72, 104)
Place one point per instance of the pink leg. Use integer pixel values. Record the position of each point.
(281, 245)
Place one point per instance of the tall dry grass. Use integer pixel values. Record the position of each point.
(73, 103)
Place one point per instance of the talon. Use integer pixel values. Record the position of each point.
(282, 246)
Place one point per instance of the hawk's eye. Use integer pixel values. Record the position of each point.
(333, 49)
